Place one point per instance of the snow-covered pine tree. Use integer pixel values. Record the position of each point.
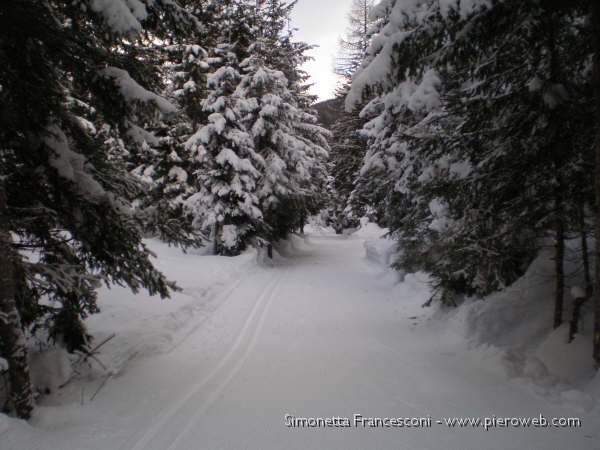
(71, 90)
(520, 97)
(288, 141)
(284, 53)
(246, 88)
(170, 165)
(471, 194)
(404, 91)
(287, 55)
(161, 160)
(226, 202)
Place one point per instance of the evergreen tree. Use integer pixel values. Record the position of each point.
(258, 150)
(536, 115)
(227, 201)
(476, 137)
(73, 89)
(13, 347)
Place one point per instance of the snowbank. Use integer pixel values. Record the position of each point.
(513, 328)
(50, 369)
(145, 325)
(518, 323)
(318, 224)
(371, 230)
(379, 249)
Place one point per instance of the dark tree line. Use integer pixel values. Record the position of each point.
(482, 124)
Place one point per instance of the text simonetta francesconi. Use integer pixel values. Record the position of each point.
(357, 421)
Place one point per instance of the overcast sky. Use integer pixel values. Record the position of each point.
(321, 22)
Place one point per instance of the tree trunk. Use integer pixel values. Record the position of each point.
(215, 232)
(270, 250)
(596, 39)
(558, 151)
(559, 269)
(585, 255)
(578, 302)
(574, 325)
(12, 341)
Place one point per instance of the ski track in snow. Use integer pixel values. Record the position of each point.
(323, 333)
(268, 297)
(196, 326)
(213, 384)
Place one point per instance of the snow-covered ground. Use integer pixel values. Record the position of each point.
(323, 331)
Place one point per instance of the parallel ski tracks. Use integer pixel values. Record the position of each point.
(203, 394)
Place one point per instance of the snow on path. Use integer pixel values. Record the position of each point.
(321, 334)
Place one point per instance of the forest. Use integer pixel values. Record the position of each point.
(468, 129)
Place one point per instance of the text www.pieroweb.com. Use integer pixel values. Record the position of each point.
(486, 423)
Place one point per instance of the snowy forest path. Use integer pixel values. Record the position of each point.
(327, 336)
(323, 333)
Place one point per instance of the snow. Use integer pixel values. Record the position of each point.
(72, 166)
(439, 212)
(376, 72)
(228, 156)
(141, 136)
(178, 174)
(229, 236)
(132, 91)
(50, 369)
(566, 361)
(402, 19)
(518, 323)
(426, 97)
(317, 332)
(461, 169)
(122, 16)
(369, 230)
(189, 86)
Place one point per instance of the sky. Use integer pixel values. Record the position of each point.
(322, 23)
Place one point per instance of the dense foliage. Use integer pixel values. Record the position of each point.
(481, 124)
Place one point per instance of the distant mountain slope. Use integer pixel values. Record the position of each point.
(329, 111)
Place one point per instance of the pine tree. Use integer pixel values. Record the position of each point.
(12, 342)
(158, 158)
(162, 163)
(73, 90)
(257, 116)
(292, 147)
(469, 120)
(407, 92)
(517, 194)
(226, 201)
